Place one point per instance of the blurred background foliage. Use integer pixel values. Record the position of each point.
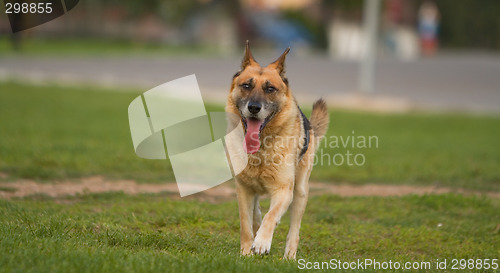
(470, 24)
(465, 24)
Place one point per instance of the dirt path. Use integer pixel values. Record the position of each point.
(98, 184)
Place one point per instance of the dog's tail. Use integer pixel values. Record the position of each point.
(319, 118)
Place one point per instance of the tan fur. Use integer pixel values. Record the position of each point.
(285, 181)
(319, 118)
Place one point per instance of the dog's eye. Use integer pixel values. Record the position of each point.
(246, 86)
(270, 89)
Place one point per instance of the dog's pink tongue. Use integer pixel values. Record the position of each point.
(252, 141)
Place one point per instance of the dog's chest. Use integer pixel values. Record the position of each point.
(270, 168)
(255, 183)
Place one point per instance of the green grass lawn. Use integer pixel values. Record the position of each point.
(53, 132)
(31, 46)
(153, 233)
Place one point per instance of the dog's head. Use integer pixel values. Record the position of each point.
(259, 93)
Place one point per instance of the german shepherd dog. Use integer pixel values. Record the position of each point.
(280, 142)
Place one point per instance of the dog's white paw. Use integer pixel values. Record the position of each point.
(246, 252)
(261, 246)
(290, 255)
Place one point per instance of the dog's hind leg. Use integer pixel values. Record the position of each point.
(246, 199)
(257, 215)
(298, 206)
(280, 201)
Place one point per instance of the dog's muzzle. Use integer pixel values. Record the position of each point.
(254, 107)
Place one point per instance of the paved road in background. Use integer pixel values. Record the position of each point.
(451, 82)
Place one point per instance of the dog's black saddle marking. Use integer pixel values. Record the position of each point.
(307, 127)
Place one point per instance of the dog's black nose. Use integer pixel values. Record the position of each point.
(254, 107)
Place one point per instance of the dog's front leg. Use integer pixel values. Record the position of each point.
(297, 208)
(280, 200)
(257, 215)
(296, 211)
(246, 199)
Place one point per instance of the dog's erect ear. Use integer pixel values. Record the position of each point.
(279, 64)
(247, 58)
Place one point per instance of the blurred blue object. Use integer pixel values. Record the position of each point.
(282, 32)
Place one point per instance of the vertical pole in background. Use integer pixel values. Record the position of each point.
(370, 31)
